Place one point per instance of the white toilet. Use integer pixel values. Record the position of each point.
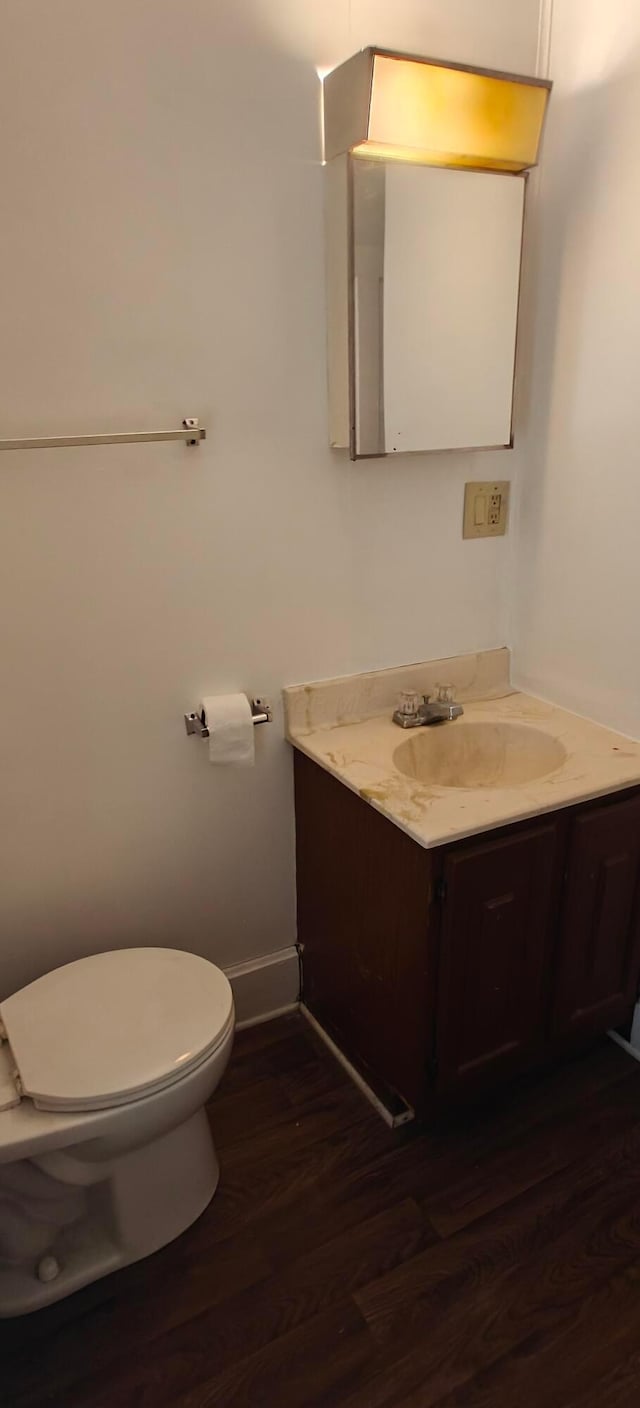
(105, 1148)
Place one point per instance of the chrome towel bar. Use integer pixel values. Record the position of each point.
(192, 433)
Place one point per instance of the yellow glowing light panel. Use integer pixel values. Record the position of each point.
(450, 117)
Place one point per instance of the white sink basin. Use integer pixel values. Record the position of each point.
(463, 754)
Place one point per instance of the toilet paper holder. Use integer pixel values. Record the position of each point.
(261, 713)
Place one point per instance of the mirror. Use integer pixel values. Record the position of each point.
(424, 274)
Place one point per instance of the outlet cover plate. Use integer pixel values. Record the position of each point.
(486, 508)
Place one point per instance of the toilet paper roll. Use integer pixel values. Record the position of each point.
(231, 729)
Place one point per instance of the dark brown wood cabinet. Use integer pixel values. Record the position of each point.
(365, 903)
(599, 943)
(497, 914)
(441, 972)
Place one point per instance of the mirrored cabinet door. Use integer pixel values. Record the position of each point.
(431, 282)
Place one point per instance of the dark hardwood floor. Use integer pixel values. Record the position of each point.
(493, 1261)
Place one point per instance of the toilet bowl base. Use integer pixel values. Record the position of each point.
(133, 1205)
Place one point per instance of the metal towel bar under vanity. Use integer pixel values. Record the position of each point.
(191, 432)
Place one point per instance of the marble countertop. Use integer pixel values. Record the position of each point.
(360, 752)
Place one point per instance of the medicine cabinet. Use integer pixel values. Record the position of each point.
(423, 252)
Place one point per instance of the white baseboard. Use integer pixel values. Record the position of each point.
(393, 1120)
(626, 1045)
(632, 1046)
(265, 987)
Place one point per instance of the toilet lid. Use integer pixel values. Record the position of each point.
(108, 1029)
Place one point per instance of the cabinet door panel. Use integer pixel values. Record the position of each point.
(599, 947)
(494, 958)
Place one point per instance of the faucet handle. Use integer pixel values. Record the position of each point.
(408, 703)
(444, 694)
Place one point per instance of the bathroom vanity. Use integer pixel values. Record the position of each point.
(455, 935)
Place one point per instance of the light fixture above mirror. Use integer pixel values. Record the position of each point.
(399, 107)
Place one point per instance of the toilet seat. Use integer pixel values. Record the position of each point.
(110, 1029)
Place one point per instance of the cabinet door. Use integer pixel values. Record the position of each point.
(599, 952)
(495, 952)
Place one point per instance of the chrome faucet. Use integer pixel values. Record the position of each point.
(417, 711)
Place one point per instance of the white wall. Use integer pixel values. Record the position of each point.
(161, 254)
(577, 561)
